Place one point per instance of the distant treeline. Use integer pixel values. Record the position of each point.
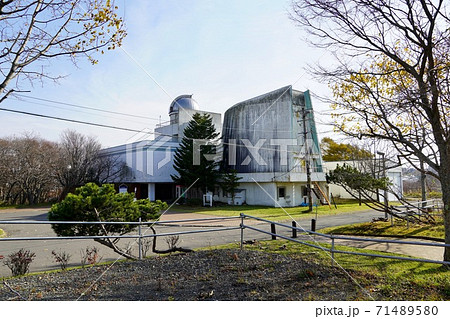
(34, 170)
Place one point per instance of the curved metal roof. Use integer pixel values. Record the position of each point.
(183, 101)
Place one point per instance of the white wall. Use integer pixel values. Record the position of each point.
(266, 194)
(394, 175)
(255, 195)
(151, 161)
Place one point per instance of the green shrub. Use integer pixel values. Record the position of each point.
(101, 203)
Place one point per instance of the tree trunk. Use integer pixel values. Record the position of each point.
(445, 182)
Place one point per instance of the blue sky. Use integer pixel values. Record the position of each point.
(222, 52)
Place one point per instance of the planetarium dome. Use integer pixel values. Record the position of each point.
(183, 101)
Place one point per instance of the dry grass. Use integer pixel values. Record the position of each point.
(268, 270)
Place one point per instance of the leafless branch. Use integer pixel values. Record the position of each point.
(14, 291)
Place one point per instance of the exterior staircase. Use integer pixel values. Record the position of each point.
(320, 194)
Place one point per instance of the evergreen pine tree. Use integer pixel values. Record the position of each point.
(230, 182)
(199, 128)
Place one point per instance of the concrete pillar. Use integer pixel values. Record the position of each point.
(151, 191)
(293, 196)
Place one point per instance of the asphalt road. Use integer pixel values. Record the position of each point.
(45, 261)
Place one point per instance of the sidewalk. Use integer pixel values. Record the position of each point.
(424, 252)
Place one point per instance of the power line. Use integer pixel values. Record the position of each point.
(86, 107)
(121, 128)
(111, 127)
(70, 120)
(79, 111)
(132, 130)
(139, 116)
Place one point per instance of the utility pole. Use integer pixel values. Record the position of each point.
(385, 194)
(423, 176)
(307, 160)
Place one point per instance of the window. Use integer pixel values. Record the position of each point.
(281, 192)
(178, 191)
(305, 190)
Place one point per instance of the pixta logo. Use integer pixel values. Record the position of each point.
(267, 147)
(147, 157)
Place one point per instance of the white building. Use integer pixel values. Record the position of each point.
(268, 139)
(150, 162)
(264, 141)
(393, 172)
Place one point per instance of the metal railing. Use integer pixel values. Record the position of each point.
(139, 236)
(419, 209)
(333, 238)
(217, 228)
(419, 206)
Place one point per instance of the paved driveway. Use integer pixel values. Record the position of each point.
(43, 248)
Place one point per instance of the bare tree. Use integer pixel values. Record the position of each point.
(35, 32)
(392, 78)
(81, 162)
(77, 154)
(109, 169)
(26, 169)
(34, 170)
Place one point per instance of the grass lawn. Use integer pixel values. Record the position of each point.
(399, 229)
(2, 233)
(272, 213)
(19, 206)
(386, 279)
